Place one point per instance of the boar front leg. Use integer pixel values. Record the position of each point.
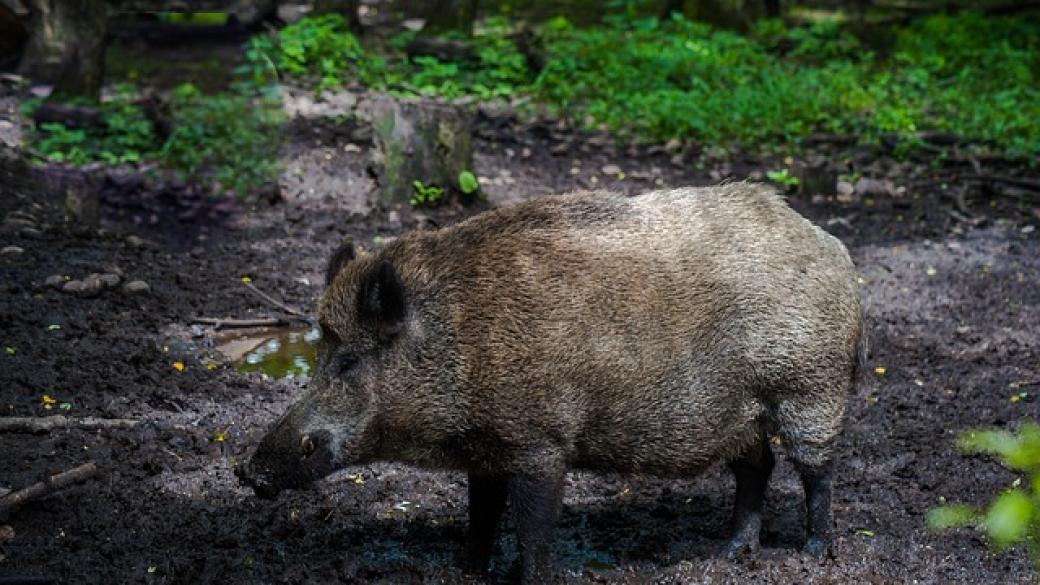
(536, 499)
(487, 501)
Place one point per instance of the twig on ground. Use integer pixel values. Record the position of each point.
(240, 323)
(19, 498)
(46, 424)
(275, 302)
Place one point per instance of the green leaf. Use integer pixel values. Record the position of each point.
(468, 183)
(1007, 519)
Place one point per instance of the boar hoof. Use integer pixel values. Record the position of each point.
(817, 548)
(740, 545)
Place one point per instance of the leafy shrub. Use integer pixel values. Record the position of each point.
(968, 74)
(425, 195)
(1013, 517)
(319, 47)
(229, 138)
(124, 135)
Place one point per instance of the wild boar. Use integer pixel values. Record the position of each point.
(656, 334)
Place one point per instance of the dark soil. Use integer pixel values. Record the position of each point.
(955, 323)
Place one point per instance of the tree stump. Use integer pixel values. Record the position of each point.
(420, 140)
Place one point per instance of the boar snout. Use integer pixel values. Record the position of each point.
(261, 483)
(287, 461)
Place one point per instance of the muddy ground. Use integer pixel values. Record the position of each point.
(955, 323)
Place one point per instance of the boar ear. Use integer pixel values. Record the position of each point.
(340, 258)
(381, 300)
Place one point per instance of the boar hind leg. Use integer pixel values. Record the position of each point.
(752, 471)
(809, 427)
(536, 501)
(487, 501)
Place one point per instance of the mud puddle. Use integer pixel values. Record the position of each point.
(279, 353)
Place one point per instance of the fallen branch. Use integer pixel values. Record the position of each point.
(46, 424)
(19, 498)
(275, 302)
(240, 323)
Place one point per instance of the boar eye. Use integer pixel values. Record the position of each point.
(345, 362)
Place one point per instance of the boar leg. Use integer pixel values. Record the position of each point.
(809, 422)
(487, 501)
(536, 501)
(817, 484)
(752, 471)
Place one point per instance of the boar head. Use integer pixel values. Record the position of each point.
(335, 423)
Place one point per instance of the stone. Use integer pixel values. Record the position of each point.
(73, 287)
(12, 251)
(92, 285)
(55, 281)
(136, 287)
(110, 280)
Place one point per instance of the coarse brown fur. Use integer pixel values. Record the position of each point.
(658, 334)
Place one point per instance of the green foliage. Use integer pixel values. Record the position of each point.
(468, 183)
(228, 138)
(320, 48)
(124, 135)
(425, 195)
(967, 74)
(783, 177)
(1013, 517)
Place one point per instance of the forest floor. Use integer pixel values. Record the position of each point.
(954, 311)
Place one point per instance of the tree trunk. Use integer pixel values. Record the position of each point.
(67, 46)
(451, 16)
(12, 36)
(423, 141)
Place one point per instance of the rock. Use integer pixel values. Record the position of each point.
(611, 170)
(136, 242)
(114, 269)
(29, 232)
(12, 251)
(874, 188)
(394, 219)
(55, 281)
(110, 280)
(73, 287)
(845, 190)
(136, 287)
(92, 285)
(16, 224)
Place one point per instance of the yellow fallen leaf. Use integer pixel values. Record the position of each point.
(48, 402)
(179, 366)
(880, 370)
(246, 280)
(867, 533)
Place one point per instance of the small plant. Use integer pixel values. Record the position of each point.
(425, 195)
(783, 177)
(1013, 517)
(468, 183)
